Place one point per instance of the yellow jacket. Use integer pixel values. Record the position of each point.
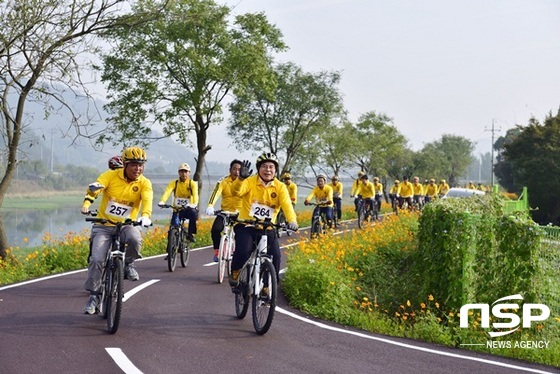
(322, 195)
(337, 190)
(121, 198)
(292, 190)
(366, 190)
(181, 190)
(253, 191)
(230, 202)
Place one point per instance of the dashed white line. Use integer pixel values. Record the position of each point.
(137, 289)
(122, 361)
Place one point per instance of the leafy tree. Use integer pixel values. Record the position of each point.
(176, 71)
(282, 121)
(43, 48)
(503, 168)
(449, 157)
(377, 143)
(534, 156)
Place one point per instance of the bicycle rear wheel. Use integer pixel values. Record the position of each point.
(172, 247)
(316, 228)
(264, 302)
(242, 295)
(185, 249)
(115, 295)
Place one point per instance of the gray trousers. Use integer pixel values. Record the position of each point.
(101, 244)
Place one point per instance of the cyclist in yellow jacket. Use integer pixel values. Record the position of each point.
(230, 203)
(378, 192)
(338, 189)
(126, 192)
(405, 192)
(443, 188)
(292, 187)
(262, 197)
(354, 188)
(323, 195)
(418, 197)
(431, 190)
(366, 190)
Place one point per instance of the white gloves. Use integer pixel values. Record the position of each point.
(292, 226)
(161, 203)
(210, 211)
(145, 221)
(95, 186)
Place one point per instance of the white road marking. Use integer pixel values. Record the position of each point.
(410, 346)
(138, 288)
(122, 361)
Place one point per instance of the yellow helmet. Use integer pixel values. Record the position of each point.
(397, 181)
(360, 173)
(134, 154)
(287, 176)
(334, 177)
(442, 181)
(375, 178)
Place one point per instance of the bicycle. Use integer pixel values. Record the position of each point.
(318, 221)
(257, 280)
(177, 240)
(227, 243)
(112, 278)
(365, 214)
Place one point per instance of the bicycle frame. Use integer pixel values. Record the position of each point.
(258, 281)
(227, 243)
(318, 220)
(176, 239)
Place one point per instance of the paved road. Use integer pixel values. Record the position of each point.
(184, 322)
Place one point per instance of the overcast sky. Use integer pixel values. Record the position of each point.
(435, 66)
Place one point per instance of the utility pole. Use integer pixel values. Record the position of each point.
(493, 130)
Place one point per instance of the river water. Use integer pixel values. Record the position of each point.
(27, 228)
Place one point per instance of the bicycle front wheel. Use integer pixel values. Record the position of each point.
(115, 295)
(361, 216)
(264, 298)
(242, 295)
(185, 249)
(316, 228)
(172, 247)
(223, 258)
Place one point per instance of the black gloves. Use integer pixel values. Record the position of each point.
(245, 171)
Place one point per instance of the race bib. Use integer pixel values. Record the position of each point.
(115, 209)
(260, 211)
(182, 201)
(322, 201)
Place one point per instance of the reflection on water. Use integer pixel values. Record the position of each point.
(27, 228)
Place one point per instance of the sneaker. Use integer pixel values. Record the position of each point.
(190, 238)
(92, 304)
(216, 253)
(130, 273)
(234, 278)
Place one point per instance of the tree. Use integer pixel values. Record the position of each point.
(534, 156)
(503, 168)
(283, 120)
(44, 46)
(377, 143)
(175, 72)
(450, 157)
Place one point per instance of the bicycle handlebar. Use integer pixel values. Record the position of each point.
(177, 207)
(263, 222)
(128, 221)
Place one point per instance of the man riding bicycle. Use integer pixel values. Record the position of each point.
(123, 192)
(354, 189)
(431, 190)
(378, 187)
(405, 192)
(323, 194)
(262, 197)
(337, 188)
(292, 187)
(230, 203)
(366, 190)
(185, 193)
(418, 189)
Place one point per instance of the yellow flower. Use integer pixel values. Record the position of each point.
(431, 297)
(422, 305)
(407, 302)
(437, 304)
